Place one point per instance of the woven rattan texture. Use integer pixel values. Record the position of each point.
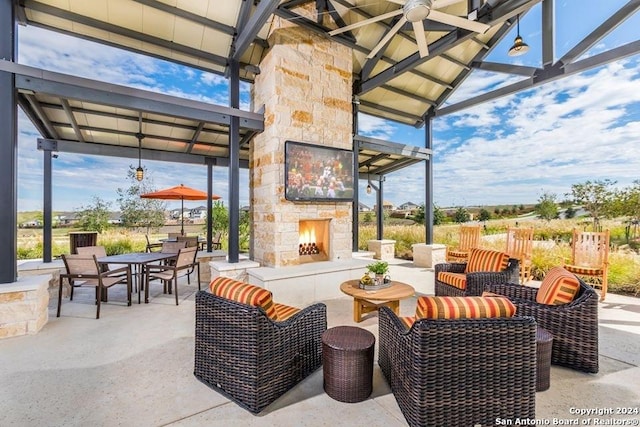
(459, 372)
(347, 363)
(544, 343)
(574, 326)
(249, 358)
(476, 282)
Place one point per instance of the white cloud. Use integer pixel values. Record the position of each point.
(375, 127)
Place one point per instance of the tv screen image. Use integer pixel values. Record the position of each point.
(318, 173)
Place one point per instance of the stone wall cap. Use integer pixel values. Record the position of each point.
(25, 284)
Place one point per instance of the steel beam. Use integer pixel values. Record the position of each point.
(247, 34)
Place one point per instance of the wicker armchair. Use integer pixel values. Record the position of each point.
(459, 372)
(574, 325)
(475, 282)
(249, 358)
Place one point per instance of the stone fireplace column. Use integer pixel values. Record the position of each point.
(305, 86)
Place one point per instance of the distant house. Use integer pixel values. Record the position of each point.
(115, 218)
(65, 218)
(363, 208)
(34, 223)
(198, 213)
(408, 206)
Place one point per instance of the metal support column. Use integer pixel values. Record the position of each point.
(209, 204)
(47, 211)
(8, 148)
(428, 178)
(355, 222)
(234, 164)
(380, 210)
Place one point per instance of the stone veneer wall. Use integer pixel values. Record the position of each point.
(24, 306)
(305, 85)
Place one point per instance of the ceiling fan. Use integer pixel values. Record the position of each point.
(415, 11)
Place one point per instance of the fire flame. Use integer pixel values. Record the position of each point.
(308, 236)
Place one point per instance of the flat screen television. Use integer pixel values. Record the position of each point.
(317, 173)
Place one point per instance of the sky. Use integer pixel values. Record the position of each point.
(508, 151)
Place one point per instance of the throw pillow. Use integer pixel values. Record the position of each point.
(486, 260)
(464, 307)
(558, 287)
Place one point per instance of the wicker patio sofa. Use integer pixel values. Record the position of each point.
(250, 358)
(476, 273)
(459, 372)
(574, 325)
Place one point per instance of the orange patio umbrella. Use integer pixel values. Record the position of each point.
(179, 192)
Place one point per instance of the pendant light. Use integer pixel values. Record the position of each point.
(140, 136)
(519, 46)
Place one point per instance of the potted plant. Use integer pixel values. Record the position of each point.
(379, 268)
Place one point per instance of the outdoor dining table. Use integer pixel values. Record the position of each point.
(139, 261)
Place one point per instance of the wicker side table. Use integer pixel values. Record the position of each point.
(347, 363)
(544, 343)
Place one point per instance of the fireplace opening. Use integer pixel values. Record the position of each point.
(314, 240)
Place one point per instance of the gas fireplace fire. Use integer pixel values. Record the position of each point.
(314, 240)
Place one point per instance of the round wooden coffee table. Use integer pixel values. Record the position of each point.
(367, 301)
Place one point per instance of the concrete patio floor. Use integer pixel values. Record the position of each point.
(134, 367)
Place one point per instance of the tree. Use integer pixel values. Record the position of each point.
(461, 215)
(220, 217)
(497, 211)
(595, 197)
(547, 207)
(569, 213)
(438, 215)
(419, 215)
(368, 217)
(629, 201)
(136, 211)
(484, 215)
(94, 217)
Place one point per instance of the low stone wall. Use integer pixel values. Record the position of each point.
(382, 249)
(24, 306)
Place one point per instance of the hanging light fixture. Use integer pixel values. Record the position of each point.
(140, 136)
(519, 46)
(368, 182)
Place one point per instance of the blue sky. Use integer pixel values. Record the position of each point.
(508, 151)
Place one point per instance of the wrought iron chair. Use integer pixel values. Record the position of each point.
(468, 238)
(520, 247)
(185, 264)
(590, 258)
(83, 270)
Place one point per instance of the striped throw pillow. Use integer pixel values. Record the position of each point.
(284, 311)
(464, 307)
(558, 287)
(457, 280)
(244, 293)
(486, 260)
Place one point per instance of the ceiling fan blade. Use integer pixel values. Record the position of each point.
(421, 38)
(392, 32)
(456, 21)
(365, 22)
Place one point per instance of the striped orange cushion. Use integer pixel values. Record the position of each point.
(587, 271)
(464, 307)
(408, 321)
(284, 311)
(458, 254)
(558, 287)
(486, 260)
(458, 280)
(244, 293)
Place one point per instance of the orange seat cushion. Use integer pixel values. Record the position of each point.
(458, 280)
(244, 293)
(559, 286)
(587, 271)
(464, 307)
(486, 260)
(283, 312)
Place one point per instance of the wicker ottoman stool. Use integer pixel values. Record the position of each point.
(544, 342)
(347, 363)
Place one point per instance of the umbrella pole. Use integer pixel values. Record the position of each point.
(182, 216)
